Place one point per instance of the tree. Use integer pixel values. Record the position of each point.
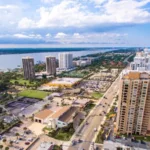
(11, 143)
(44, 76)
(25, 128)
(1, 147)
(4, 140)
(17, 135)
(6, 148)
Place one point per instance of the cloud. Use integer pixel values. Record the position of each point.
(60, 35)
(78, 36)
(74, 14)
(30, 36)
(47, 1)
(48, 35)
(26, 23)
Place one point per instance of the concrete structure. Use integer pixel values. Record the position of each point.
(114, 72)
(58, 119)
(63, 82)
(123, 145)
(65, 61)
(28, 68)
(134, 103)
(82, 63)
(141, 61)
(51, 65)
(42, 116)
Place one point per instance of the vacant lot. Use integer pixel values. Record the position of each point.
(97, 95)
(34, 94)
(21, 81)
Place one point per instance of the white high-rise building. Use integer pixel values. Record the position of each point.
(65, 60)
(51, 65)
(141, 61)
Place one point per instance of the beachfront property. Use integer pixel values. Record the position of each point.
(28, 68)
(65, 61)
(63, 82)
(51, 65)
(58, 119)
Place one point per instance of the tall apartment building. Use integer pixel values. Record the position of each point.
(28, 68)
(134, 103)
(65, 60)
(51, 65)
(141, 61)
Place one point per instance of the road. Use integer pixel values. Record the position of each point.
(86, 132)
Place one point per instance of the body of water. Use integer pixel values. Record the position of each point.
(11, 61)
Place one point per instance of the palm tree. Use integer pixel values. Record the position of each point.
(25, 128)
(6, 148)
(1, 147)
(11, 143)
(17, 135)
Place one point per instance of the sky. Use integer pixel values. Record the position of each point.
(97, 23)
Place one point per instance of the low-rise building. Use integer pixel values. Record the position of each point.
(42, 116)
(58, 119)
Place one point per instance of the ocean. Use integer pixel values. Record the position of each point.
(12, 58)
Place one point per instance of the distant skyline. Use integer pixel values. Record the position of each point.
(75, 23)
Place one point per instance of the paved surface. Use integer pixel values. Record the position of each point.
(86, 132)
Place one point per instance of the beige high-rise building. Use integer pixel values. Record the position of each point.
(51, 65)
(134, 103)
(28, 68)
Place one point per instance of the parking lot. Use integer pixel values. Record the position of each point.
(25, 107)
(95, 85)
(18, 138)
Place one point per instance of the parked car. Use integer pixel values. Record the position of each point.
(27, 143)
(95, 129)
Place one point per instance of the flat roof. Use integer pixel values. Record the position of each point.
(60, 112)
(43, 114)
(65, 81)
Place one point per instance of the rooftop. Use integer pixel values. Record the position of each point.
(68, 115)
(43, 114)
(60, 112)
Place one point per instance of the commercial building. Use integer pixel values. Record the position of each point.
(51, 65)
(134, 103)
(58, 119)
(82, 63)
(28, 68)
(63, 82)
(141, 61)
(65, 61)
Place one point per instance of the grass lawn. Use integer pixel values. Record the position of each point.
(23, 82)
(143, 138)
(64, 133)
(88, 107)
(34, 94)
(97, 95)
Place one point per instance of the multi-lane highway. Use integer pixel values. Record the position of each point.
(86, 131)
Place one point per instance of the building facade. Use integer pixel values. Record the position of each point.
(28, 68)
(51, 65)
(65, 61)
(134, 103)
(141, 61)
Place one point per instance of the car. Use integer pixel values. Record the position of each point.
(74, 142)
(105, 97)
(142, 142)
(87, 123)
(30, 139)
(79, 140)
(27, 143)
(21, 148)
(95, 129)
